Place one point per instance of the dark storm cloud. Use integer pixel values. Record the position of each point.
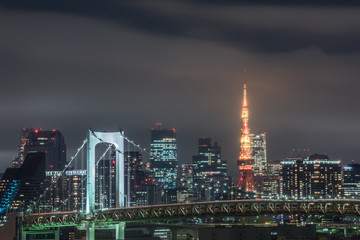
(130, 64)
(165, 21)
(279, 2)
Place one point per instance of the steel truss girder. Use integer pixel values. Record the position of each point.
(200, 209)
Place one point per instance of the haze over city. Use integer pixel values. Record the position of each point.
(179, 120)
(70, 66)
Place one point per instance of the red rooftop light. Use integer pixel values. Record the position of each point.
(36, 131)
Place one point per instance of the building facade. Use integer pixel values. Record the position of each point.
(18, 160)
(186, 176)
(210, 172)
(67, 190)
(106, 182)
(352, 180)
(315, 177)
(258, 153)
(134, 175)
(164, 159)
(19, 187)
(50, 142)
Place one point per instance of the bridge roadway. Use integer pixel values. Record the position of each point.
(198, 209)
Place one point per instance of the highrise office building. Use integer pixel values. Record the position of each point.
(186, 176)
(315, 177)
(209, 159)
(18, 160)
(323, 176)
(55, 194)
(293, 178)
(134, 174)
(105, 183)
(274, 168)
(67, 190)
(352, 180)
(210, 172)
(186, 182)
(74, 185)
(42, 156)
(258, 153)
(21, 186)
(50, 142)
(148, 194)
(270, 184)
(164, 161)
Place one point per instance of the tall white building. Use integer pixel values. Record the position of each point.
(258, 154)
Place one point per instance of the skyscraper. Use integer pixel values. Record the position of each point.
(18, 161)
(258, 153)
(105, 182)
(315, 177)
(245, 161)
(293, 178)
(164, 160)
(74, 184)
(186, 182)
(210, 172)
(209, 159)
(352, 180)
(134, 175)
(271, 181)
(20, 186)
(186, 175)
(50, 142)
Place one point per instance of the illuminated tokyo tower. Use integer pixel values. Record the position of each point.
(245, 162)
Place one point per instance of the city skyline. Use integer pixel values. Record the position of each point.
(168, 119)
(302, 90)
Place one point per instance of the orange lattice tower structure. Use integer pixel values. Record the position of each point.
(245, 162)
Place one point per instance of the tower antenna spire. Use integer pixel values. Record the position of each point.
(245, 161)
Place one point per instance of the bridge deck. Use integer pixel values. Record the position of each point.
(199, 209)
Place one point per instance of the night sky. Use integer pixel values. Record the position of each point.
(71, 65)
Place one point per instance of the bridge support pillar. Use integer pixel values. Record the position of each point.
(57, 234)
(90, 231)
(117, 140)
(120, 231)
(23, 235)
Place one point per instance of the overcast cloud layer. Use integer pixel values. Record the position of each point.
(73, 65)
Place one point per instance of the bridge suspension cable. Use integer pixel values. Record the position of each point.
(61, 173)
(83, 179)
(74, 157)
(131, 142)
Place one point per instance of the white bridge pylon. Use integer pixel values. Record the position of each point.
(117, 139)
